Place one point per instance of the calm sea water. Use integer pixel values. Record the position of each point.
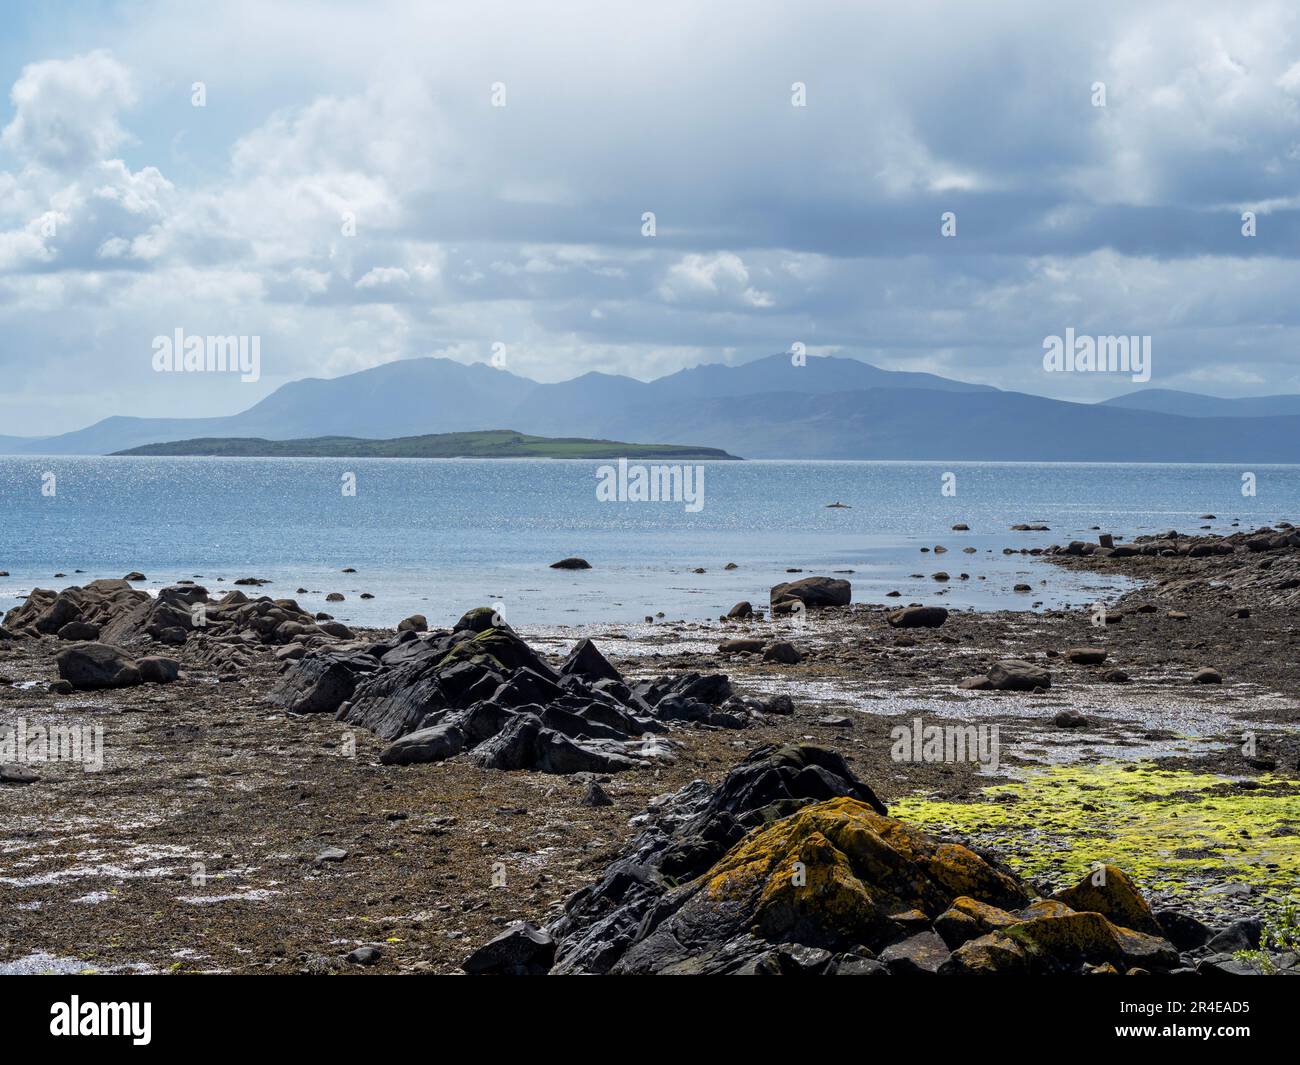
(439, 536)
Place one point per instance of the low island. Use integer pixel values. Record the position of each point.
(486, 444)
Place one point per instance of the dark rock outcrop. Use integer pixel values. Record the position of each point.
(792, 866)
(480, 688)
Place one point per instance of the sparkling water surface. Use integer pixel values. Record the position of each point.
(437, 536)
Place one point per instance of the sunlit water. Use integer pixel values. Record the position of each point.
(439, 536)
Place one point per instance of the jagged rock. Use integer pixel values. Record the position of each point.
(769, 874)
(514, 747)
(691, 833)
(320, 683)
(858, 868)
(480, 688)
(585, 660)
(595, 795)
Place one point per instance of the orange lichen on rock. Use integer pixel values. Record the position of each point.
(836, 870)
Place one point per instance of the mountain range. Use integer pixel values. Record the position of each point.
(828, 408)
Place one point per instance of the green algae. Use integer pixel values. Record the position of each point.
(1169, 829)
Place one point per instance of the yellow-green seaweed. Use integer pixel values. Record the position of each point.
(1168, 829)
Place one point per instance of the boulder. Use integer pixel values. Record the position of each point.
(595, 795)
(1240, 935)
(918, 955)
(743, 609)
(968, 919)
(158, 670)
(1183, 930)
(571, 563)
(1017, 675)
(16, 773)
(813, 592)
(1086, 656)
(994, 954)
(750, 645)
(521, 950)
(97, 665)
(1206, 675)
(1063, 943)
(434, 744)
(1108, 890)
(79, 630)
(415, 623)
(918, 617)
(782, 652)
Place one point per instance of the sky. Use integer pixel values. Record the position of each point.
(370, 182)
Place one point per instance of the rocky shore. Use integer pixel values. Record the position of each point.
(280, 792)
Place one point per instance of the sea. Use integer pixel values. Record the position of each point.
(439, 536)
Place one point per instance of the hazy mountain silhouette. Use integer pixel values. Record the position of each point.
(829, 408)
(1195, 405)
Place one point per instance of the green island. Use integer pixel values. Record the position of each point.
(486, 444)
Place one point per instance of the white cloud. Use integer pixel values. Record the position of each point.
(722, 277)
(66, 112)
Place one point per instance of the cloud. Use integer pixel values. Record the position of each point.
(66, 112)
(351, 194)
(719, 277)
